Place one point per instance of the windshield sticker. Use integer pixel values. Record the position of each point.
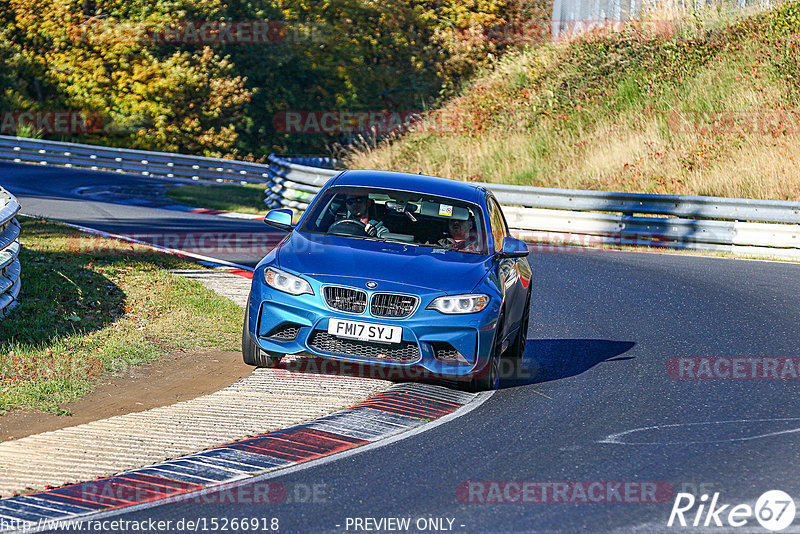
(445, 210)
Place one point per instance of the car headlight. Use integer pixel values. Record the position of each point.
(288, 283)
(471, 303)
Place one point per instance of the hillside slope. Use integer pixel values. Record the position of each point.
(708, 105)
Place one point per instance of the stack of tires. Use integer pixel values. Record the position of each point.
(9, 253)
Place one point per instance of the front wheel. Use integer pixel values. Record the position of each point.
(489, 378)
(252, 353)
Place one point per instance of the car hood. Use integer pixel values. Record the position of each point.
(335, 258)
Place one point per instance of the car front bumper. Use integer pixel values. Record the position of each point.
(289, 324)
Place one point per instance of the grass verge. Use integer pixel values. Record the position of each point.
(91, 306)
(239, 198)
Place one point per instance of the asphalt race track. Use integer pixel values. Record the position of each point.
(603, 328)
(601, 402)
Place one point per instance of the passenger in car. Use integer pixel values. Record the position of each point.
(462, 238)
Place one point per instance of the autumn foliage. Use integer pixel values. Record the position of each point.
(157, 85)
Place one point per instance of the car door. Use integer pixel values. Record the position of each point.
(508, 270)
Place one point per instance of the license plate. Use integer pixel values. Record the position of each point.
(365, 331)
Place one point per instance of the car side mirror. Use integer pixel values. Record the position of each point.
(280, 219)
(514, 248)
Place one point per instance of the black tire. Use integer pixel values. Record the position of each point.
(489, 378)
(252, 353)
(517, 350)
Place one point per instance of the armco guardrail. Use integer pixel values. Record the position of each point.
(563, 216)
(141, 162)
(295, 180)
(766, 228)
(9, 253)
(291, 183)
(732, 209)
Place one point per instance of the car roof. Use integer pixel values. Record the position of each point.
(421, 183)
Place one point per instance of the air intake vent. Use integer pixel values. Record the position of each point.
(284, 332)
(448, 353)
(392, 305)
(346, 299)
(405, 351)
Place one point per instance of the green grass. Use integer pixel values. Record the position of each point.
(239, 198)
(91, 306)
(712, 108)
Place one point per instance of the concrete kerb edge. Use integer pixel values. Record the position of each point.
(432, 406)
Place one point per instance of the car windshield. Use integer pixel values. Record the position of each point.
(407, 217)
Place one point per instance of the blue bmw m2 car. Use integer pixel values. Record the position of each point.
(394, 270)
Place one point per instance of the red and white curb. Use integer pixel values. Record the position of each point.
(206, 211)
(400, 408)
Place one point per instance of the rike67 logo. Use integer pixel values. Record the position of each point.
(774, 510)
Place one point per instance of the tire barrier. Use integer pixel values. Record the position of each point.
(10, 268)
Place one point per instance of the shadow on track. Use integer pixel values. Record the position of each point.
(553, 359)
(545, 360)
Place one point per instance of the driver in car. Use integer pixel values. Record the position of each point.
(362, 209)
(462, 237)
